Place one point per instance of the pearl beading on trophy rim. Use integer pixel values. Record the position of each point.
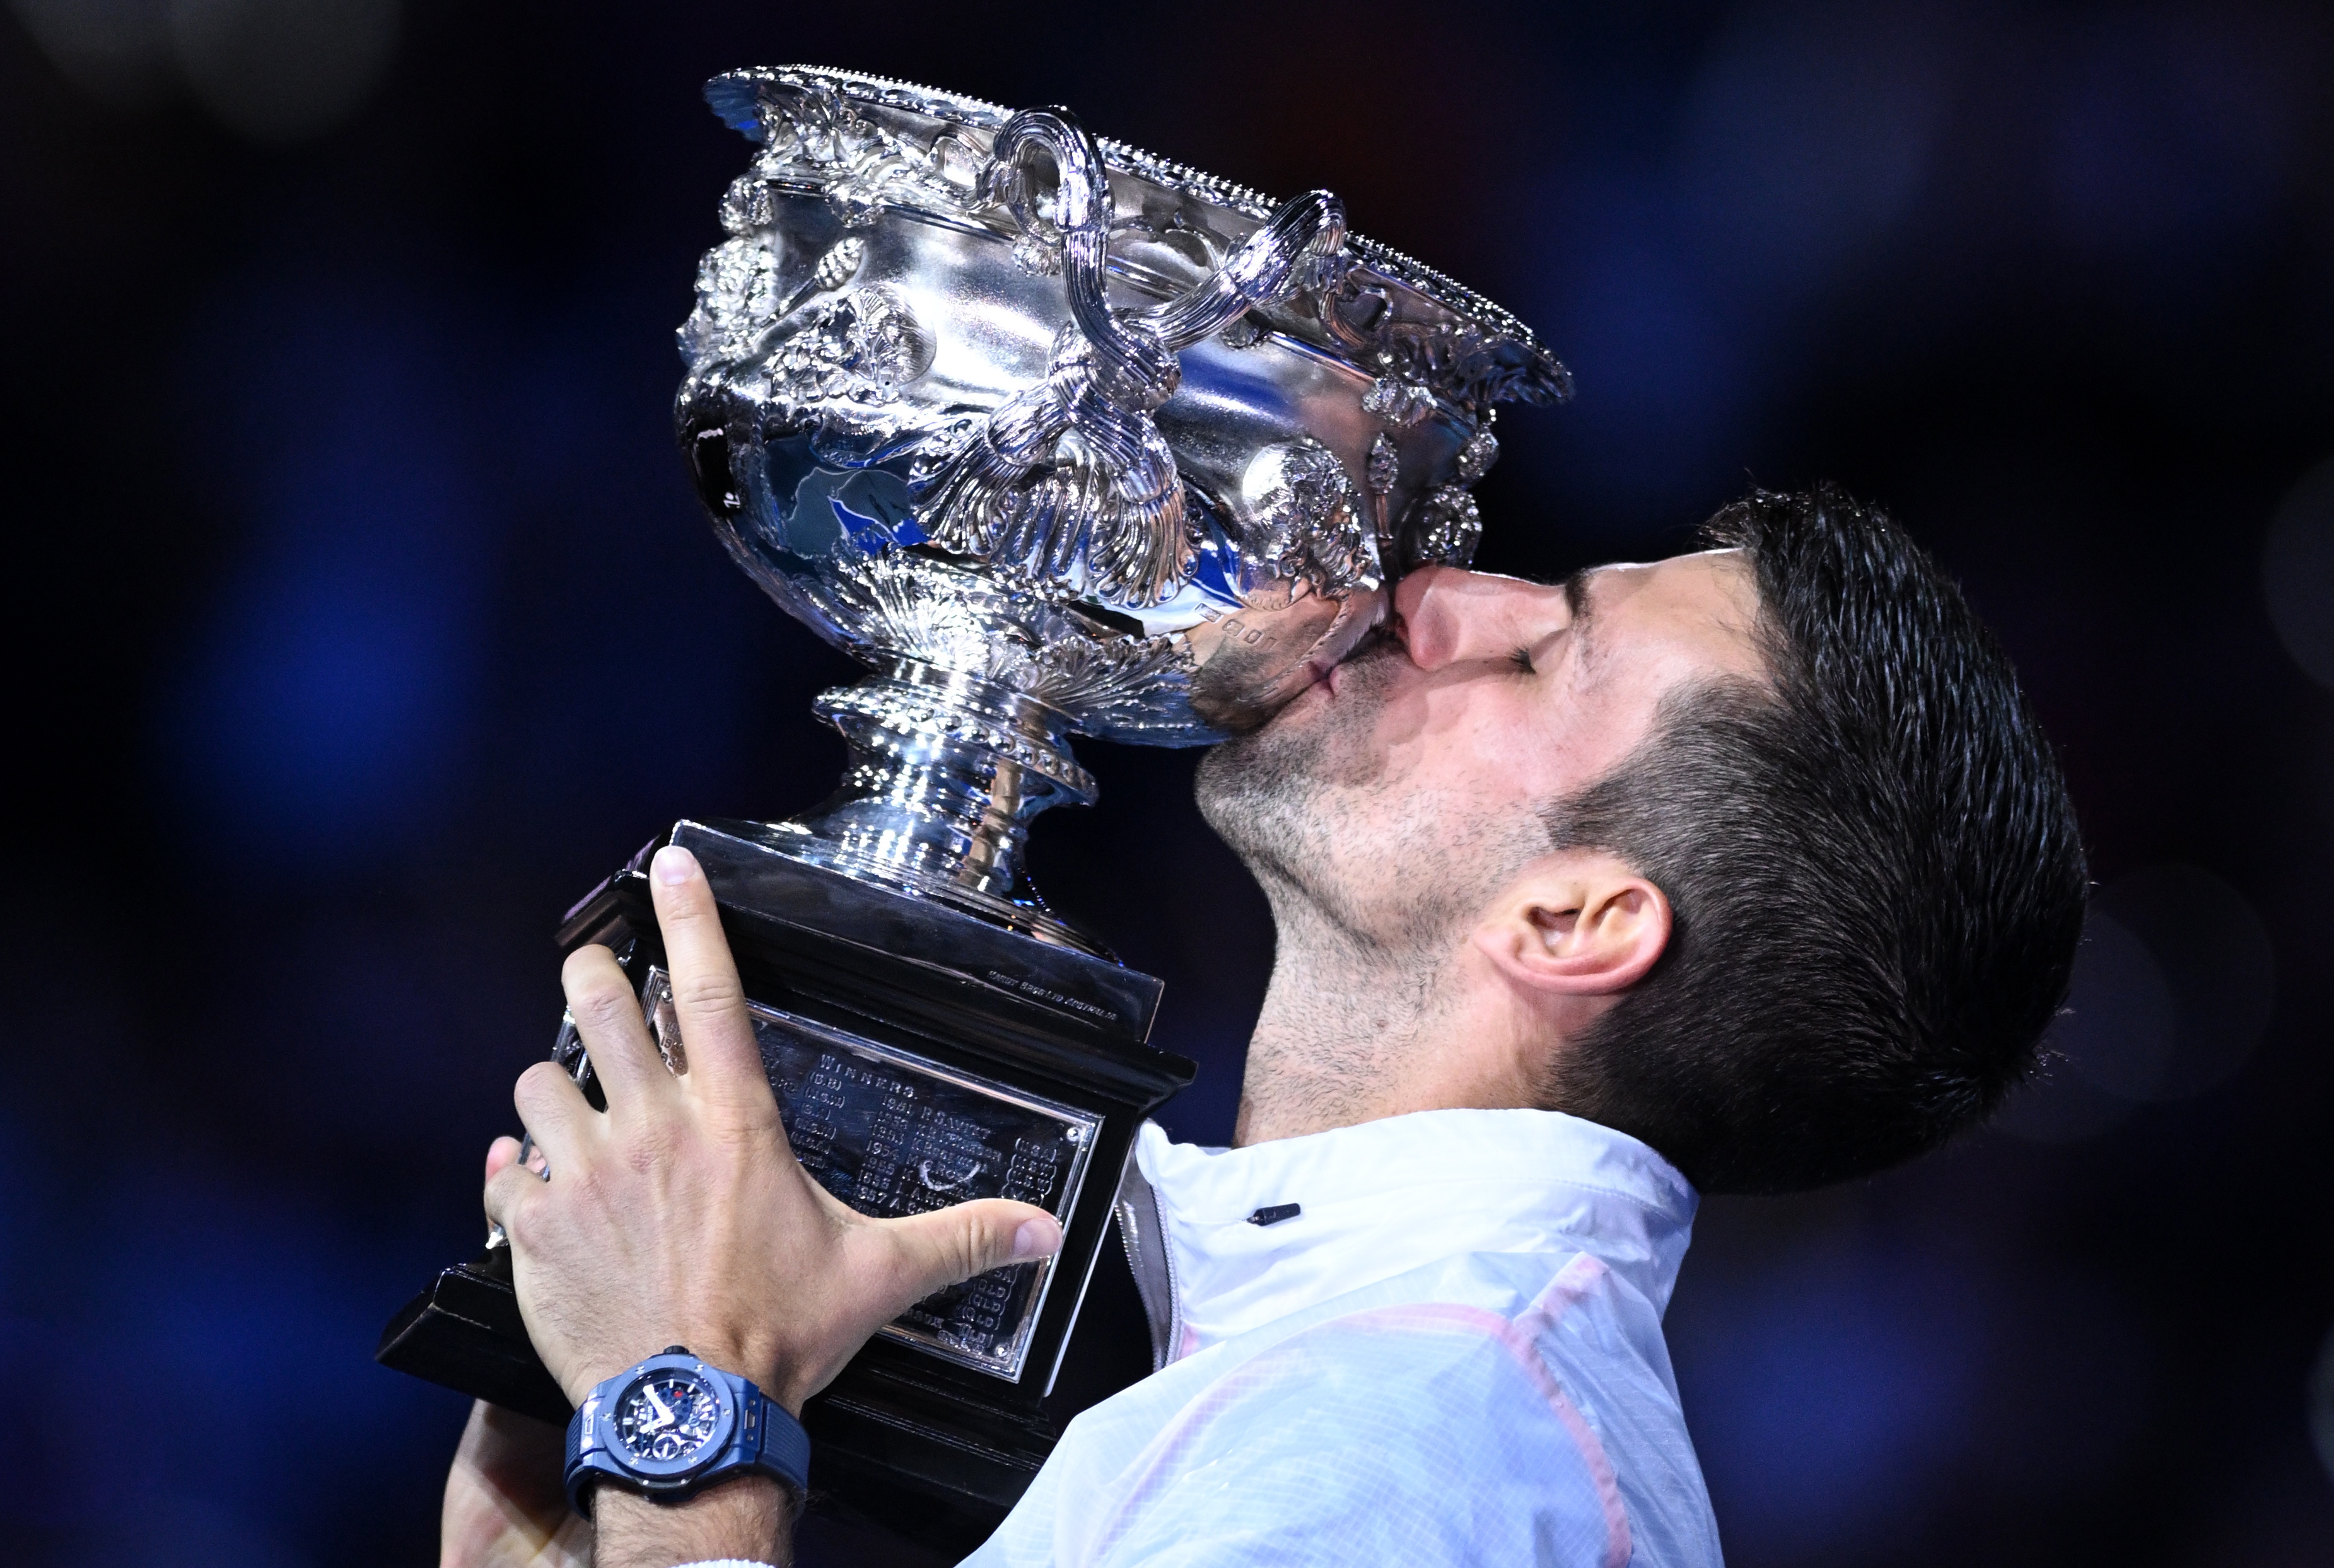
(981, 114)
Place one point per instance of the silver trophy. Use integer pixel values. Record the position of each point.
(1056, 438)
(1059, 438)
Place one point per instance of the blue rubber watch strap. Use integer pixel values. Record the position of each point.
(587, 1465)
(783, 1447)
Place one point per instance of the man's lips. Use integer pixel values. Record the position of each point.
(1376, 644)
(1324, 671)
(1324, 676)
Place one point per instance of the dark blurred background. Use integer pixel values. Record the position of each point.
(364, 621)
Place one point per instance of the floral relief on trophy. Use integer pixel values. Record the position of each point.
(847, 360)
(1447, 525)
(1399, 403)
(1304, 527)
(809, 130)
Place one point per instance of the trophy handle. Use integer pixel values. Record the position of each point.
(1126, 353)
(1263, 271)
(1072, 478)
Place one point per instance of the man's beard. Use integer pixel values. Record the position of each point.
(1269, 794)
(1331, 830)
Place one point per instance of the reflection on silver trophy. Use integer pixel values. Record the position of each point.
(1059, 438)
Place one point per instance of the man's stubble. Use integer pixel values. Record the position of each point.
(1374, 885)
(1268, 794)
(1332, 835)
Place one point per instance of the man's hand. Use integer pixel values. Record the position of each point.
(679, 1215)
(505, 1505)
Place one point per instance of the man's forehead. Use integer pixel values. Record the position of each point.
(1706, 602)
(1729, 559)
(1717, 575)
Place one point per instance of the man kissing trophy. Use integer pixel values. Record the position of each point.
(1056, 437)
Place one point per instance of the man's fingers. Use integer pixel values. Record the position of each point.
(724, 1063)
(553, 1111)
(501, 1153)
(929, 1252)
(509, 1191)
(607, 1019)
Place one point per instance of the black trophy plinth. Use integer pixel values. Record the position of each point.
(921, 1057)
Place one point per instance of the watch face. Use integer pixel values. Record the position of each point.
(667, 1416)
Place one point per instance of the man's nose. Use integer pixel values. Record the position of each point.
(1430, 614)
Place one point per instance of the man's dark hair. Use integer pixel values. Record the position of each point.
(1875, 873)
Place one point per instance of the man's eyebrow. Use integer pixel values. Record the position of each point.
(1576, 600)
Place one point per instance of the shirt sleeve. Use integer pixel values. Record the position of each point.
(1416, 1435)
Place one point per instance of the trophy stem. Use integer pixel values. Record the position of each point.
(946, 771)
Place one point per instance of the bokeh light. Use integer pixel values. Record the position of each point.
(322, 712)
(2321, 1404)
(2218, 972)
(2173, 988)
(2298, 574)
(275, 71)
(117, 50)
(2109, 1047)
(282, 70)
(1834, 1387)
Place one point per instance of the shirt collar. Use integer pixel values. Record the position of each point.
(1381, 1199)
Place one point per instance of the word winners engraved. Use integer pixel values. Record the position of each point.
(891, 1133)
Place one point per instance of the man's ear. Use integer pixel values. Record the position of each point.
(1578, 923)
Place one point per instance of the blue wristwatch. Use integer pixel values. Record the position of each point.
(672, 1426)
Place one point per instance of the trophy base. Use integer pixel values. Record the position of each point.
(1018, 909)
(921, 1056)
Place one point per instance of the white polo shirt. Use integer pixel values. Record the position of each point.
(1451, 1352)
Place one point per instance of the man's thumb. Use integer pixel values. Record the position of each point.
(932, 1251)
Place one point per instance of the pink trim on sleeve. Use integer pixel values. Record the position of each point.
(1519, 1337)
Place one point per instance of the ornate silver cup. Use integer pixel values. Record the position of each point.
(1058, 437)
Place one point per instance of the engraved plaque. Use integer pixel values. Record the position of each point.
(892, 1133)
